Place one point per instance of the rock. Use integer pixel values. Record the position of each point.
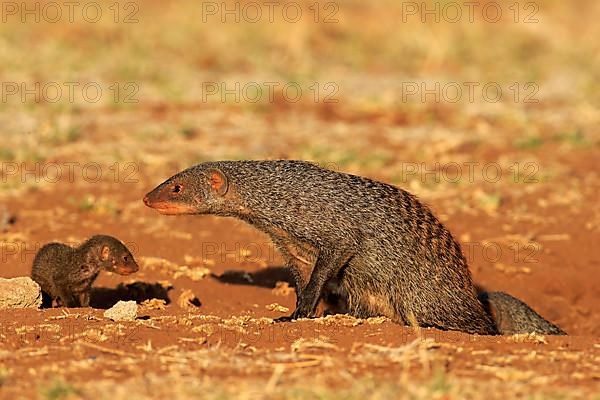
(22, 292)
(122, 311)
(188, 300)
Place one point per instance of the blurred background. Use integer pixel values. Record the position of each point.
(175, 83)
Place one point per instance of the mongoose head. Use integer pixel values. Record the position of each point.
(109, 254)
(197, 190)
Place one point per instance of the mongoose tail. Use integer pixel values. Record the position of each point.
(388, 251)
(512, 315)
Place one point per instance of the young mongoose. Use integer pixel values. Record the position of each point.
(66, 274)
(511, 315)
(388, 252)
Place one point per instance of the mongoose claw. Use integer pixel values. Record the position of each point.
(301, 312)
(297, 314)
(287, 318)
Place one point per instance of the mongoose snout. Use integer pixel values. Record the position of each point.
(170, 198)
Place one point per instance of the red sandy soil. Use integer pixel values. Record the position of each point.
(561, 283)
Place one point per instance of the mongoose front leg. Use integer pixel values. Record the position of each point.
(328, 264)
(299, 279)
(300, 257)
(301, 269)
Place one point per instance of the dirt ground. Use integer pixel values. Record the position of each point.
(546, 255)
(516, 182)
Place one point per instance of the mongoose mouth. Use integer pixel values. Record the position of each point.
(167, 208)
(126, 270)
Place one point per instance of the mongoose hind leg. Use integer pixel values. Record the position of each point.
(463, 314)
(343, 295)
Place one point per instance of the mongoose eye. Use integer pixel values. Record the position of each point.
(125, 258)
(177, 189)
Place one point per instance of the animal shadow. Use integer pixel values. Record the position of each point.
(334, 297)
(105, 298)
(267, 277)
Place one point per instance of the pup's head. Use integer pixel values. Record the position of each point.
(110, 255)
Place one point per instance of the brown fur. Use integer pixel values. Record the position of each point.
(369, 247)
(66, 274)
(385, 248)
(511, 315)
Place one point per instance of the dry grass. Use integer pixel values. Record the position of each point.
(368, 65)
(177, 387)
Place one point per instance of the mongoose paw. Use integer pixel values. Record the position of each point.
(301, 312)
(295, 315)
(287, 318)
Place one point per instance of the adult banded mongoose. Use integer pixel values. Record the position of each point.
(66, 274)
(389, 253)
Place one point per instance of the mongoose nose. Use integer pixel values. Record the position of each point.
(146, 200)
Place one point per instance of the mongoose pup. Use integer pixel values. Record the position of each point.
(66, 274)
(389, 252)
(511, 315)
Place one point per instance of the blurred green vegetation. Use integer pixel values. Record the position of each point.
(163, 62)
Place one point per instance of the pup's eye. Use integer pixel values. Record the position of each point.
(177, 188)
(125, 258)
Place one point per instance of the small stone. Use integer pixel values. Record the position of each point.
(188, 300)
(277, 307)
(283, 289)
(154, 304)
(122, 311)
(22, 292)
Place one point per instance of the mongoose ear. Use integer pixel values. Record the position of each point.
(218, 182)
(105, 253)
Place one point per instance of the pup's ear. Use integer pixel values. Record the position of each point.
(105, 253)
(218, 181)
